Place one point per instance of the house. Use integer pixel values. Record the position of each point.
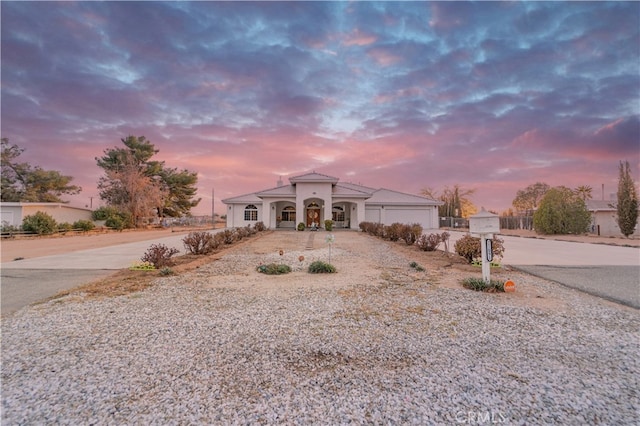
(13, 213)
(603, 218)
(313, 198)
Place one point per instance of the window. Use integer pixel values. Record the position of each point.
(251, 212)
(289, 214)
(338, 214)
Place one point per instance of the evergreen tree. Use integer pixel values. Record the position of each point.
(627, 207)
(22, 182)
(135, 183)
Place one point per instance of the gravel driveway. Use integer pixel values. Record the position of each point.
(377, 342)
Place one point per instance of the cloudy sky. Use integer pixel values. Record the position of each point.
(401, 95)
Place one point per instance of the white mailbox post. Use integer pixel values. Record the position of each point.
(484, 225)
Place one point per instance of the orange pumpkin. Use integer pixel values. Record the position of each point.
(509, 286)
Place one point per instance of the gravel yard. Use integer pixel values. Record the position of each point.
(377, 342)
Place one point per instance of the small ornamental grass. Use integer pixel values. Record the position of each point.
(274, 269)
(320, 267)
(478, 284)
(142, 266)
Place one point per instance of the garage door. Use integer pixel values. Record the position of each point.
(423, 217)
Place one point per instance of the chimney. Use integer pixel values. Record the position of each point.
(280, 182)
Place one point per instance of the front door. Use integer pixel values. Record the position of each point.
(313, 216)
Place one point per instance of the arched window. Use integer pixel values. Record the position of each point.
(289, 214)
(251, 212)
(313, 205)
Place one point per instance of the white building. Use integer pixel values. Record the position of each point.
(314, 197)
(13, 213)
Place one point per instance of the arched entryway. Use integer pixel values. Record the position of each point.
(313, 214)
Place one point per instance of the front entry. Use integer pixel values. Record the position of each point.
(313, 216)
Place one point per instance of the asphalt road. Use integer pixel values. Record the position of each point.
(610, 272)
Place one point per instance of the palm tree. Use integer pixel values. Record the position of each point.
(584, 192)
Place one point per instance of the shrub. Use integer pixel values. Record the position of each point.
(198, 242)
(394, 231)
(159, 255)
(328, 224)
(228, 236)
(84, 225)
(469, 247)
(478, 284)
(259, 226)
(166, 271)
(115, 222)
(104, 213)
(417, 267)
(319, 267)
(66, 226)
(411, 233)
(113, 217)
(301, 226)
(429, 242)
(274, 269)
(561, 211)
(39, 223)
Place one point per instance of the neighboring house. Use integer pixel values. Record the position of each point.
(14, 213)
(604, 218)
(313, 198)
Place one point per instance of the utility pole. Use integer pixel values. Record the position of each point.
(213, 210)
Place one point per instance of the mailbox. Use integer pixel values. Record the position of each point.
(484, 223)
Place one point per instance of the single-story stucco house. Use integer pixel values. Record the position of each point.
(603, 218)
(13, 213)
(313, 198)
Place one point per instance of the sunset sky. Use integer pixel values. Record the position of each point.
(400, 95)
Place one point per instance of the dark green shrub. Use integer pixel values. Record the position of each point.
(469, 247)
(259, 226)
(40, 223)
(65, 226)
(199, 242)
(561, 211)
(274, 269)
(115, 222)
(301, 226)
(328, 224)
(84, 225)
(478, 284)
(319, 267)
(417, 267)
(104, 213)
(159, 255)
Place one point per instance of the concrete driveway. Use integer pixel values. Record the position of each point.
(607, 271)
(30, 280)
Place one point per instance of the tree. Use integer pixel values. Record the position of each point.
(584, 192)
(561, 211)
(456, 201)
(527, 199)
(130, 173)
(627, 206)
(22, 182)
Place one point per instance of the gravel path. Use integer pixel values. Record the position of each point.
(376, 343)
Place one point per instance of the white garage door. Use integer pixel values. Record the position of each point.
(372, 215)
(408, 216)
